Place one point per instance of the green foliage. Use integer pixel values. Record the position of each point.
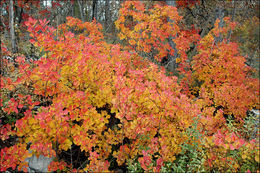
(134, 166)
(10, 118)
(251, 125)
(192, 156)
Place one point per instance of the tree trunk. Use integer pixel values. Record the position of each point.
(11, 20)
(76, 10)
(232, 19)
(171, 60)
(94, 9)
(219, 15)
(107, 15)
(20, 16)
(73, 10)
(81, 10)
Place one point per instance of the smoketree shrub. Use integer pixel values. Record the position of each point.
(116, 109)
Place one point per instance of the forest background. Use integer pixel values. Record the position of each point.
(130, 85)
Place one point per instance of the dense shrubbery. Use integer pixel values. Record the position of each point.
(116, 108)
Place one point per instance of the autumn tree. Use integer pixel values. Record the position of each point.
(114, 107)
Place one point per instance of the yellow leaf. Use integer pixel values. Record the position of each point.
(52, 125)
(31, 121)
(257, 157)
(244, 156)
(66, 145)
(178, 60)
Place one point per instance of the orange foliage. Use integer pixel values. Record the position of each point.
(84, 83)
(225, 79)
